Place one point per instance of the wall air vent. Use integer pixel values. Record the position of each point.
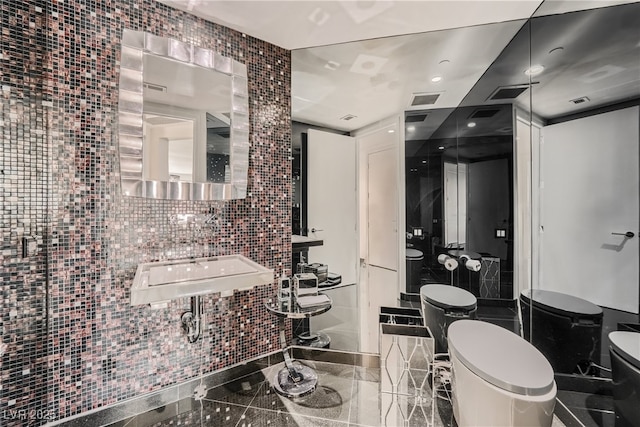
(484, 113)
(424, 99)
(508, 92)
(348, 117)
(155, 87)
(580, 100)
(415, 118)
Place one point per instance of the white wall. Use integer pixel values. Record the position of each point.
(589, 189)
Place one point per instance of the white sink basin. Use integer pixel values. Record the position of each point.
(157, 283)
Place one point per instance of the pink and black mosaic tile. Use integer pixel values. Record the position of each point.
(71, 340)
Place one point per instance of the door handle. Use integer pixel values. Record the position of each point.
(628, 234)
(313, 230)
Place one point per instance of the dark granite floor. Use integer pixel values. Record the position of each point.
(349, 395)
(346, 396)
(592, 410)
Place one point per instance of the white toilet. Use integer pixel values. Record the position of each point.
(498, 378)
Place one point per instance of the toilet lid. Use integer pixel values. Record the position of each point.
(414, 254)
(627, 345)
(563, 304)
(500, 357)
(447, 296)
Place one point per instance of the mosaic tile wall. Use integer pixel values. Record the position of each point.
(74, 343)
(24, 182)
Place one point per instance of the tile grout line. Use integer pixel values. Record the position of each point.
(269, 368)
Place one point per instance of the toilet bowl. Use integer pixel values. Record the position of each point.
(625, 372)
(498, 379)
(566, 329)
(441, 306)
(415, 258)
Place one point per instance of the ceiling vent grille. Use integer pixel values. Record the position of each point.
(508, 92)
(484, 113)
(155, 87)
(424, 99)
(415, 118)
(580, 100)
(348, 117)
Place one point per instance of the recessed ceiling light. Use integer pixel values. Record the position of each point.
(534, 70)
(436, 79)
(411, 128)
(471, 124)
(391, 131)
(424, 162)
(441, 147)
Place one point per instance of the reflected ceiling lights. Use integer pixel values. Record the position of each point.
(471, 124)
(441, 147)
(534, 70)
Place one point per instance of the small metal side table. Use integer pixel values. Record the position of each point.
(295, 379)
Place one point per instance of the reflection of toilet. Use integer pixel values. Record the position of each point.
(625, 371)
(566, 329)
(443, 305)
(498, 379)
(414, 269)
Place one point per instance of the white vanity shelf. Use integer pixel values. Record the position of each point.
(157, 283)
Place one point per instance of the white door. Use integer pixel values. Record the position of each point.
(383, 213)
(332, 210)
(378, 187)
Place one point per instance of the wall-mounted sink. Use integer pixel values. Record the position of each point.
(157, 283)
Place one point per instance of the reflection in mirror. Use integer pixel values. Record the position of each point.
(183, 121)
(168, 148)
(585, 109)
(460, 196)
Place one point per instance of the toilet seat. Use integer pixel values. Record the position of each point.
(501, 357)
(448, 297)
(562, 304)
(627, 345)
(414, 254)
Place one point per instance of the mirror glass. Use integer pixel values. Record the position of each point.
(585, 101)
(459, 196)
(183, 121)
(186, 128)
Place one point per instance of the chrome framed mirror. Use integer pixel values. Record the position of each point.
(183, 111)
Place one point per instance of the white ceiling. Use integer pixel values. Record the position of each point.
(304, 23)
(345, 62)
(375, 79)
